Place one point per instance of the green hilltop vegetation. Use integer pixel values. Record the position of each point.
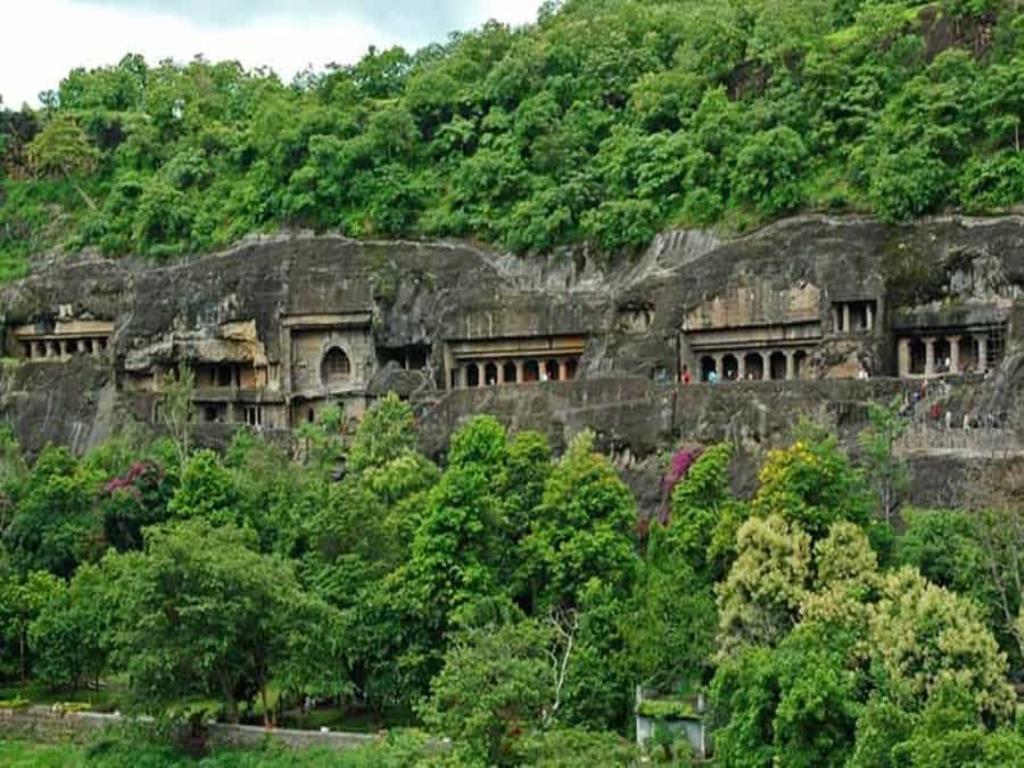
(600, 124)
(510, 600)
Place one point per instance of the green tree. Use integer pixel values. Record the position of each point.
(886, 472)
(206, 616)
(206, 490)
(493, 690)
(21, 603)
(176, 410)
(385, 433)
(769, 170)
(673, 619)
(581, 530)
(812, 483)
(759, 601)
(925, 637)
(54, 525)
(72, 633)
(61, 148)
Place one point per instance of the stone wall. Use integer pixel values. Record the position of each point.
(639, 422)
(41, 724)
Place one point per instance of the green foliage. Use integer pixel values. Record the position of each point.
(813, 484)
(21, 603)
(886, 473)
(666, 708)
(176, 411)
(672, 626)
(759, 601)
(795, 704)
(204, 615)
(54, 525)
(704, 516)
(495, 685)
(73, 630)
(385, 433)
(576, 748)
(582, 529)
(506, 601)
(206, 490)
(323, 441)
(601, 124)
(769, 170)
(927, 637)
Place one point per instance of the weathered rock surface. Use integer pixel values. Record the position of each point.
(233, 306)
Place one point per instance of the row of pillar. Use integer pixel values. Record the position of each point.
(64, 348)
(931, 366)
(791, 357)
(476, 374)
(842, 316)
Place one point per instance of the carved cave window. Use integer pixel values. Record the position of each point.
(336, 367)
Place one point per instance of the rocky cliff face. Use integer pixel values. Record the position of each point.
(771, 302)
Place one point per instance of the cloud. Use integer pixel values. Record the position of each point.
(93, 33)
(434, 18)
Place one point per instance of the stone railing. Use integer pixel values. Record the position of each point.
(924, 437)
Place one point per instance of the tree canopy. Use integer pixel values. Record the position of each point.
(600, 124)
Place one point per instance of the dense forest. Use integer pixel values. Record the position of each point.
(511, 600)
(598, 125)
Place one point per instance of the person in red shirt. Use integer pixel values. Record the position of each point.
(685, 375)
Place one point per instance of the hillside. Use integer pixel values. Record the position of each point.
(602, 123)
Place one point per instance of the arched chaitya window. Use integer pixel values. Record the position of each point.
(336, 367)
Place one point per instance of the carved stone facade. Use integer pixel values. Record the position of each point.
(277, 330)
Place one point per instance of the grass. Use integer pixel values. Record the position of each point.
(112, 695)
(20, 754)
(403, 749)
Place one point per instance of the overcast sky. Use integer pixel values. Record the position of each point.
(41, 40)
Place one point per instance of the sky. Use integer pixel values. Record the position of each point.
(42, 40)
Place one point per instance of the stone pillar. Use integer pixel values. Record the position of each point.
(563, 370)
(519, 371)
(929, 357)
(982, 352)
(903, 358)
(457, 377)
(501, 372)
(846, 317)
(954, 354)
(741, 366)
(766, 366)
(790, 364)
(481, 375)
(870, 316)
